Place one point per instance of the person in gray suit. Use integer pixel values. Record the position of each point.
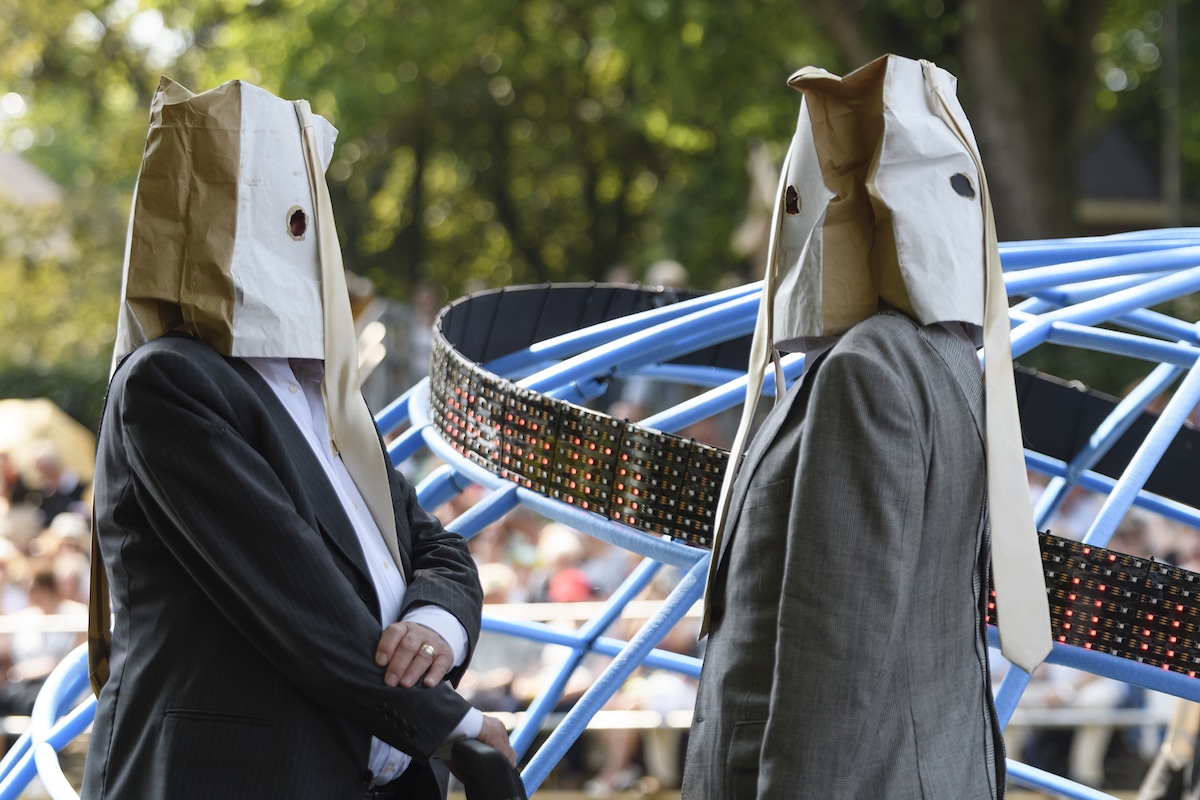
(847, 594)
(287, 620)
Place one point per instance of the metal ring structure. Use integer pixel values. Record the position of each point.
(544, 354)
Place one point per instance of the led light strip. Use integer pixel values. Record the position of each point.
(1100, 599)
(649, 480)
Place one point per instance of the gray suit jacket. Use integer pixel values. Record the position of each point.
(246, 620)
(846, 655)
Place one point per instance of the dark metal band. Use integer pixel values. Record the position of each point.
(649, 480)
(1136, 608)
(663, 484)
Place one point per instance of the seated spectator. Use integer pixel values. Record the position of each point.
(33, 652)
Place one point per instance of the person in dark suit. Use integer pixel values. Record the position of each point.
(287, 620)
(848, 586)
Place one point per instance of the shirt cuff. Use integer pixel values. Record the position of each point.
(470, 726)
(446, 625)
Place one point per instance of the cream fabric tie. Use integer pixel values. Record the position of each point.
(352, 430)
(762, 353)
(1024, 615)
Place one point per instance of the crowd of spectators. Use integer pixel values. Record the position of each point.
(45, 547)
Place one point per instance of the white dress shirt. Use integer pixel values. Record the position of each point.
(297, 384)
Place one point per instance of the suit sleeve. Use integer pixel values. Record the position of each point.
(442, 567)
(224, 514)
(852, 541)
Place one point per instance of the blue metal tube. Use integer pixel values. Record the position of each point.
(1103, 484)
(605, 646)
(441, 486)
(660, 343)
(395, 414)
(1146, 458)
(1032, 280)
(690, 589)
(485, 512)
(714, 401)
(1102, 440)
(1107, 665)
(1035, 778)
(1124, 344)
(1102, 309)
(1070, 294)
(1154, 323)
(1015, 256)
(575, 342)
(406, 445)
(551, 695)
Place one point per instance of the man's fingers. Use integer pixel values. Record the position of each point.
(389, 640)
(493, 733)
(429, 660)
(412, 651)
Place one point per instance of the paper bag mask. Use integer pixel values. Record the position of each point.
(866, 216)
(883, 199)
(232, 240)
(220, 241)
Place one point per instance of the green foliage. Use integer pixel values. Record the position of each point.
(481, 143)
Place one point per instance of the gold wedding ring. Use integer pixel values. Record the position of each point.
(428, 650)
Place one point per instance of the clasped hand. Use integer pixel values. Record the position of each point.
(410, 650)
(404, 649)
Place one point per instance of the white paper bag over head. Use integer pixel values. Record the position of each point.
(879, 201)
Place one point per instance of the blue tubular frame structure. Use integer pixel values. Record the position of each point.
(1068, 288)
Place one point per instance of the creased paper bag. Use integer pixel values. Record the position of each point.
(892, 213)
(882, 199)
(221, 242)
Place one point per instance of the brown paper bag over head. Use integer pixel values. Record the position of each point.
(221, 242)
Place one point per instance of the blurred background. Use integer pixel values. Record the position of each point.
(493, 143)
(501, 142)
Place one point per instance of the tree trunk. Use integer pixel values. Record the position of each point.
(1026, 82)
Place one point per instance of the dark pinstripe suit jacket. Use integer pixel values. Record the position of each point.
(245, 617)
(846, 655)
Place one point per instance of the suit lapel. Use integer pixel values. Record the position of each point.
(963, 365)
(326, 506)
(758, 447)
